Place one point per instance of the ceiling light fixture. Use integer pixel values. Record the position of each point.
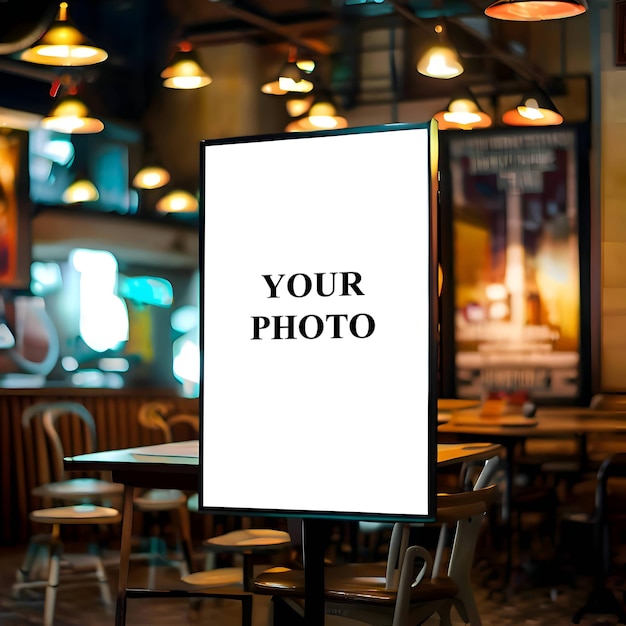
(322, 115)
(535, 109)
(81, 190)
(292, 76)
(151, 177)
(64, 45)
(463, 113)
(535, 10)
(177, 201)
(440, 61)
(184, 70)
(298, 104)
(70, 115)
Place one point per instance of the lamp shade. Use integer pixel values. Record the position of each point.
(463, 113)
(184, 70)
(322, 115)
(440, 62)
(294, 71)
(64, 45)
(151, 177)
(535, 10)
(298, 104)
(81, 190)
(535, 109)
(177, 201)
(291, 79)
(70, 115)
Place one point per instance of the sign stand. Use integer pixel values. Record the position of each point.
(313, 547)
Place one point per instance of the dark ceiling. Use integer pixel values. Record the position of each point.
(368, 50)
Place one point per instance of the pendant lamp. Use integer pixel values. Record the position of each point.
(463, 113)
(81, 190)
(322, 115)
(177, 201)
(152, 174)
(64, 45)
(184, 70)
(440, 61)
(151, 177)
(292, 77)
(70, 115)
(297, 104)
(535, 109)
(535, 10)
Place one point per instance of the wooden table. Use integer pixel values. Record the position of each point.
(549, 422)
(510, 430)
(135, 467)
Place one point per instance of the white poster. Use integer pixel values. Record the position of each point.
(317, 324)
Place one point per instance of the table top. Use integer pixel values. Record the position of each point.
(547, 422)
(182, 457)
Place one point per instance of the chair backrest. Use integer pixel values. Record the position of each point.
(465, 509)
(158, 416)
(451, 508)
(50, 443)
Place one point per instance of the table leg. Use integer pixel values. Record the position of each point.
(125, 545)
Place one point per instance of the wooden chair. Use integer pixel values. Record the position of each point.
(45, 564)
(158, 416)
(609, 510)
(52, 485)
(406, 589)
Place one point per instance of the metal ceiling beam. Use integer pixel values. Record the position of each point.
(210, 34)
(524, 69)
(28, 70)
(284, 32)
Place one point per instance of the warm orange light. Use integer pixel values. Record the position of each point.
(177, 201)
(464, 114)
(535, 10)
(185, 71)
(64, 45)
(534, 110)
(151, 177)
(70, 115)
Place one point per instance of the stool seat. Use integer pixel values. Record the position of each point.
(160, 500)
(219, 577)
(252, 539)
(76, 514)
(79, 489)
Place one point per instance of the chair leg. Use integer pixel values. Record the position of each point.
(56, 549)
(246, 611)
(466, 606)
(444, 615)
(24, 572)
(103, 584)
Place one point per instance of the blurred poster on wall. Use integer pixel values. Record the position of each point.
(14, 209)
(516, 262)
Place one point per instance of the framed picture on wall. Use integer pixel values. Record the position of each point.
(515, 311)
(15, 210)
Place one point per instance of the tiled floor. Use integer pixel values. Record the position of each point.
(536, 601)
